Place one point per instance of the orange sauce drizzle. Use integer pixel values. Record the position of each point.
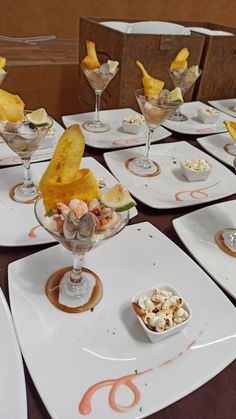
(32, 232)
(192, 192)
(85, 403)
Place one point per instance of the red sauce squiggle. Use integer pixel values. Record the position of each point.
(127, 141)
(194, 193)
(32, 232)
(85, 403)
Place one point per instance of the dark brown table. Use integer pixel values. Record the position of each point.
(215, 399)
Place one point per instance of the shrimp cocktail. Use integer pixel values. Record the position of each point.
(183, 77)
(99, 76)
(156, 105)
(80, 213)
(23, 134)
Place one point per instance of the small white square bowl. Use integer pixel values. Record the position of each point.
(158, 336)
(195, 175)
(208, 118)
(132, 128)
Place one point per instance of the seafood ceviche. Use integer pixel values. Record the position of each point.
(162, 310)
(64, 219)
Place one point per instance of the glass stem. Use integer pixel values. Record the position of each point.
(28, 183)
(147, 145)
(97, 108)
(76, 274)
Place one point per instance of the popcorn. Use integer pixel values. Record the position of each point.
(135, 119)
(197, 164)
(162, 310)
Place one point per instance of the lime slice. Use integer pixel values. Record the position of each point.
(117, 198)
(38, 117)
(113, 65)
(175, 96)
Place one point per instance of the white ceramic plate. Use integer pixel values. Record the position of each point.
(214, 144)
(157, 28)
(147, 27)
(116, 137)
(67, 354)
(224, 105)
(9, 158)
(210, 32)
(117, 25)
(193, 126)
(197, 231)
(170, 189)
(12, 380)
(18, 224)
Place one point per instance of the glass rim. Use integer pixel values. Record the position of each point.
(157, 105)
(38, 127)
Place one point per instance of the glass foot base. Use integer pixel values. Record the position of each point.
(138, 167)
(231, 149)
(180, 117)
(25, 196)
(91, 126)
(56, 291)
(227, 235)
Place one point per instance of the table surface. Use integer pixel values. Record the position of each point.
(215, 399)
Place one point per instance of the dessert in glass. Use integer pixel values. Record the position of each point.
(79, 215)
(23, 137)
(183, 77)
(231, 128)
(99, 76)
(156, 106)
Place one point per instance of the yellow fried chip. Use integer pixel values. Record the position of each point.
(62, 180)
(231, 127)
(152, 86)
(11, 107)
(91, 60)
(180, 61)
(2, 62)
(84, 187)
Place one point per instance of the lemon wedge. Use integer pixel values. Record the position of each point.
(38, 117)
(117, 198)
(113, 65)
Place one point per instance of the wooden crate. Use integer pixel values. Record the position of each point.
(156, 52)
(218, 80)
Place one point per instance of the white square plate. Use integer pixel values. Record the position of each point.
(18, 224)
(116, 137)
(193, 125)
(9, 158)
(215, 143)
(197, 231)
(12, 380)
(170, 189)
(223, 105)
(68, 354)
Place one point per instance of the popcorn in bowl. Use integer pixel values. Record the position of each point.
(196, 169)
(161, 311)
(133, 124)
(208, 115)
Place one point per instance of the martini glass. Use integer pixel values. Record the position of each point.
(226, 239)
(98, 79)
(155, 113)
(76, 289)
(184, 80)
(24, 137)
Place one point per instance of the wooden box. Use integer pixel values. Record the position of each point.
(218, 80)
(156, 52)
